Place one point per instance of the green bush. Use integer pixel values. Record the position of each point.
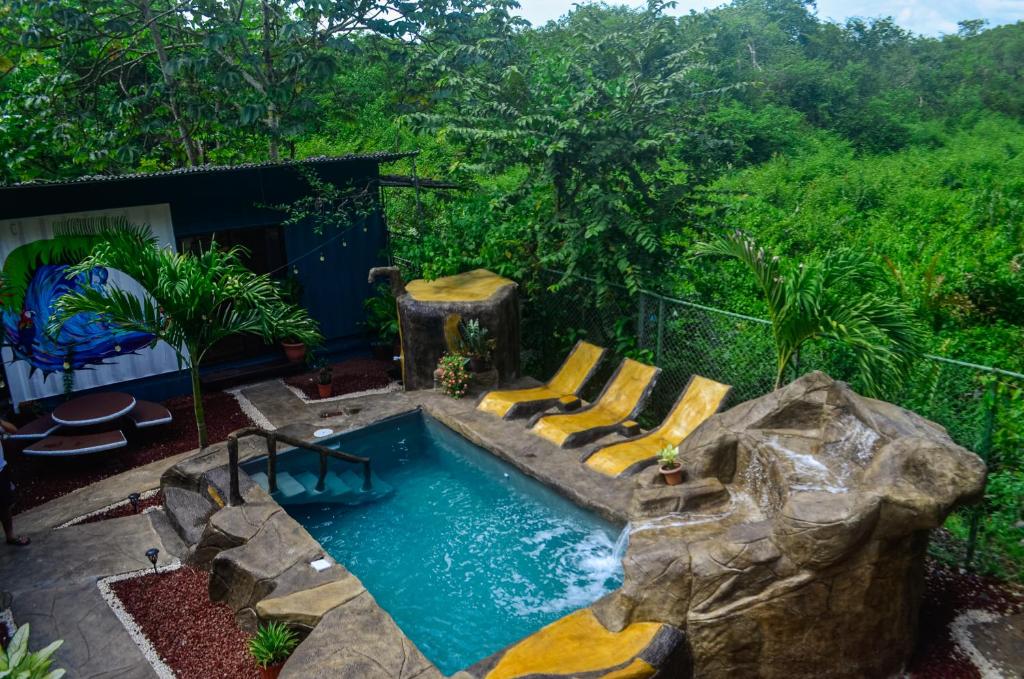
(17, 662)
(272, 644)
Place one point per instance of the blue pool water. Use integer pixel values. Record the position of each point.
(468, 554)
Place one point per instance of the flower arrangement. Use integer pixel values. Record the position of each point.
(452, 375)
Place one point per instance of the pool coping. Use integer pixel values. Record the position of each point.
(329, 647)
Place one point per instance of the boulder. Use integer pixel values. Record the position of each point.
(429, 313)
(813, 566)
(358, 640)
(306, 607)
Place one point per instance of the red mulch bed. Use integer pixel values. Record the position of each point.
(126, 510)
(193, 635)
(358, 374)
(39, 480)
(948, 593)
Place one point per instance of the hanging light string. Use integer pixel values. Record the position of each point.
(419, 215)
(318, 248)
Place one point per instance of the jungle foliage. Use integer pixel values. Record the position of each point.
(608, 143)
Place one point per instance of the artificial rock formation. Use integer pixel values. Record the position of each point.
(795, 547)
(429, 313)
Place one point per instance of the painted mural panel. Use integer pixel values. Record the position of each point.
(90, 350)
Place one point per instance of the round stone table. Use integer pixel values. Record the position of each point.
(93, 409)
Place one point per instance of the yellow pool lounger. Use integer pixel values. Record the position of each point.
(619, 401)
(701, 399)
(561, 390)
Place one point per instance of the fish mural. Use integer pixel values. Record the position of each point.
(85, 340)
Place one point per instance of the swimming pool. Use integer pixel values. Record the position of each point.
(467, 554)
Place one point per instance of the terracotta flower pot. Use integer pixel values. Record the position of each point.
(673, 475)
(294, 351)
(325, 390)
(271, 672)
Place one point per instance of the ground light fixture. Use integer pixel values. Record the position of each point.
(134, 498)
(152, 554)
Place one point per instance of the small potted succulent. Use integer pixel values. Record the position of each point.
(271, 646)
(451, 375)
(669, 466)
(477, 345)
(325, 381)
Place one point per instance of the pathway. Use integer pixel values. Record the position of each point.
(53, 587)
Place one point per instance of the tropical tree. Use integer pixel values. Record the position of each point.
(599, 119)
(193, 300)
(837, 297)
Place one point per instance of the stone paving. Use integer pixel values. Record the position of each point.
(53, 588)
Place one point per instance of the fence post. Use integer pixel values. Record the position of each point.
(984, 450)
(234, 496)
(661, 331)
(641, 322)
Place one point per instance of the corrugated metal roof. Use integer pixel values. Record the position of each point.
(380, 157)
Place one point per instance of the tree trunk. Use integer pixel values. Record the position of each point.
(273, 119)
(197, 402)
(191, 149)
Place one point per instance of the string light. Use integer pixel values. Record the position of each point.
(322, 258)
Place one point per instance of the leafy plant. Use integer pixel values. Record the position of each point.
(193, 300)
(835, 297)
(626, 344)
(475, 340)
(668, 457)
(453, 375)
(382, 314)
(272, 644)
(17, 662)
(325, 375)
(594, 122)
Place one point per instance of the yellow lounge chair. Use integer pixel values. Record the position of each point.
(560, 391)
(620, 400)
(701, 399)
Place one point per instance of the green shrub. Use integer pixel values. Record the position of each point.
(272, 644)
(17, 662)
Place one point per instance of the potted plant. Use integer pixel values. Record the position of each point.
(669, 466)
(382, 321)
(451, 375)
(271, 646)
(291, 291)
(477, 345)
(325, 381)
(294, 350)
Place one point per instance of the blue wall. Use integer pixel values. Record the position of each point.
(334, 289)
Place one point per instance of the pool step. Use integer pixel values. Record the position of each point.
(345, 488)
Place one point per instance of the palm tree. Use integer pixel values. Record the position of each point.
(193, 301)
(834, 297)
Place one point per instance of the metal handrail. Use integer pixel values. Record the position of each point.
(272, 437)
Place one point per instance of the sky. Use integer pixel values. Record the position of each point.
(929, 17)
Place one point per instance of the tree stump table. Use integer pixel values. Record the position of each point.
(429, 313)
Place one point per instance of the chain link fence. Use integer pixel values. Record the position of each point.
(979, 406)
